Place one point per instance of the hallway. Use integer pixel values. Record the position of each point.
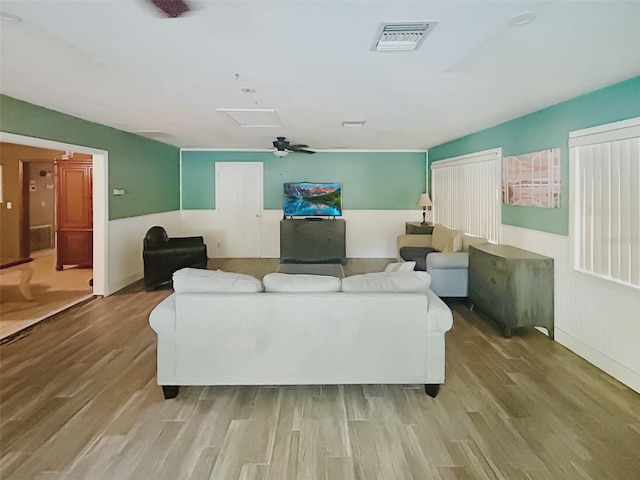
(53, 292)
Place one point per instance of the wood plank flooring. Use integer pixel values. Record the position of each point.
(79, 400)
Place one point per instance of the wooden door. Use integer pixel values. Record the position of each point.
(239, 206)
(74, 213)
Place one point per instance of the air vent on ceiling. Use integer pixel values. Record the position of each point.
(253, 117)
(394, 37)
(151, 133)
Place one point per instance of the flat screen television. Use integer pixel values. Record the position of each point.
(304, 199)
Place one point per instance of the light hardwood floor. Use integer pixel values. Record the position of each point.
(53, 291)
(79, 400)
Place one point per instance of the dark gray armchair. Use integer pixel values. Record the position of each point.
(163, 255)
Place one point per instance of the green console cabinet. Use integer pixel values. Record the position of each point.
(313, 241)
(513, 286)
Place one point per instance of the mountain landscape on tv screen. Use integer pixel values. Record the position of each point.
(312, 199)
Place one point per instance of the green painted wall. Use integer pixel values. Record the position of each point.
(548, 128)
(370, 181)
(148, 170)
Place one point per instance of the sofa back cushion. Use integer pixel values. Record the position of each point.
(471, 240)
(195, 280)
(400, 282)
(446, 239)
(294, 283)
(400, 267)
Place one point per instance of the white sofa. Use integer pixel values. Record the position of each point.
(449, 266)
(338, 334)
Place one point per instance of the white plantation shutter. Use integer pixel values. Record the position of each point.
(466, 193)
(605, 208)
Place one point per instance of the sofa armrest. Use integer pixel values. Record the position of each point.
(441, 260)
(412, 241)
(163, 317)
(185, 242)
(440, 318)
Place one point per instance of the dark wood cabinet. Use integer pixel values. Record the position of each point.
(312, 241)
(513, 286)
(74, 213)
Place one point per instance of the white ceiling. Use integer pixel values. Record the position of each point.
(120, 63)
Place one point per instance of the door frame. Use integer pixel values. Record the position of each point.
(100, 201)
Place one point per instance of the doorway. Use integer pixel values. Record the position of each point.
(239, 204)
(100, 223)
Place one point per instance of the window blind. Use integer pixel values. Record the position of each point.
(466, 193)
(605, 210)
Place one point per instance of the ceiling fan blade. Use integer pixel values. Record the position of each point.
(171, 8)
(302, 151)
(297, 146)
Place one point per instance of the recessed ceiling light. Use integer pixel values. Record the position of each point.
(353, 123)
(9, 17)
(522, 19)
(247, 90)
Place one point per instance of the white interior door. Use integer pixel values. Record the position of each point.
(239, 206)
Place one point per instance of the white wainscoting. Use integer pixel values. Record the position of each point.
(595, 318)
(370, 233)
(125, 245)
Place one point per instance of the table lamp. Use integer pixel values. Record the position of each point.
(425, 202)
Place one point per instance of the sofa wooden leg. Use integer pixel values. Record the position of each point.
(432, 389)
(170, 391)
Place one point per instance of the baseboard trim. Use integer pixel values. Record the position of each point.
(621, 373)
(124, 282)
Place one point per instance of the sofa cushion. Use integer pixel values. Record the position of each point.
(293, 283)
(446, 239)
(400, 267)
(418, 255)
(471, 240)
(403, 282)
(195, 280)
(448, 261)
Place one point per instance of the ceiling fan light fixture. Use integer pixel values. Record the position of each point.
(280, 153)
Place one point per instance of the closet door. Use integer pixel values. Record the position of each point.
(74, 213)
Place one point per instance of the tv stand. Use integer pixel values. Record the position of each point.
(304, 241)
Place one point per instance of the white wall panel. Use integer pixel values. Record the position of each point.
(595, 318)
(125, 245)
(370, 233)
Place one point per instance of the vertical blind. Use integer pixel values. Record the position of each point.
(466, 193)
(605, 166)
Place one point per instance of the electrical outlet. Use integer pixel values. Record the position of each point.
(9, 205)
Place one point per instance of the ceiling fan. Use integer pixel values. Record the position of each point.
(283, 147)
(171, 8)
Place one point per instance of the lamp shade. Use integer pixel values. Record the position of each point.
(280, 153)
(424, 200)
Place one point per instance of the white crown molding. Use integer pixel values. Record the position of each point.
(320, 150)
